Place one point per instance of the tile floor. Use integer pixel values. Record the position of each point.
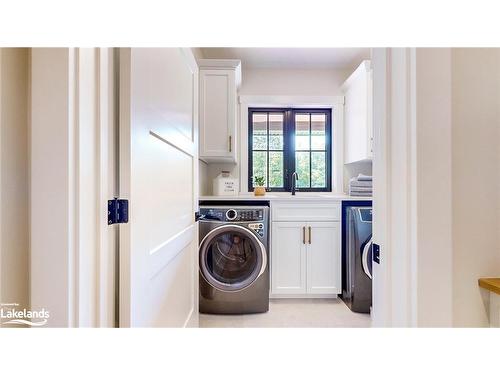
(293, 313)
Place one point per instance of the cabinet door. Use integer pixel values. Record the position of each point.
(323, 258)
(288, 258)
(358, 115)
(217, 115)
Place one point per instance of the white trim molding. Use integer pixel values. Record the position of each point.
(290, 101)
(0, 175)
(412, 187)
(336, 103)
(72, 273)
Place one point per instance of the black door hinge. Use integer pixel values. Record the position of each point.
(117, 211)
(376, 253)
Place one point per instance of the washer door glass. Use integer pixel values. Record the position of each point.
(231, 258)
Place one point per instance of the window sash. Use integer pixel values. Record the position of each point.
(289, 152)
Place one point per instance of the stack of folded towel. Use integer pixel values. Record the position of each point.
(361, 186)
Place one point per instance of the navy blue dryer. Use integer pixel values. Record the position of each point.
(357, 255)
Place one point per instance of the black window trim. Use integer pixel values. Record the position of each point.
(289, 146)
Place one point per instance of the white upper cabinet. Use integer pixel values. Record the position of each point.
(219, 84)
(358, 126)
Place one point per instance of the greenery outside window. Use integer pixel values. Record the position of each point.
(282, 141)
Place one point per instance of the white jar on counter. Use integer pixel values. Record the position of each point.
(225, 184)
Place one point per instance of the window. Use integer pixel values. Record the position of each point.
(282, 141)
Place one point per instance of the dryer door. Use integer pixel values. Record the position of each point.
(231, 258)
(366, 258)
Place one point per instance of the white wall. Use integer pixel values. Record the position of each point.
(476, 180)
(14, 181)
(204, 182)
(300, 82)
(431, 251)
(51, 239)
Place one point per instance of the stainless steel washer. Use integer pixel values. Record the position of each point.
(234, 259)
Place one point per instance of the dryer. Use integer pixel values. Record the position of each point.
(234, 259)
(357, 257)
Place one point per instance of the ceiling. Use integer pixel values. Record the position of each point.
(292, 58)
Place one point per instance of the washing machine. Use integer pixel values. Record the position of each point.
(357, 258)
(234, 259)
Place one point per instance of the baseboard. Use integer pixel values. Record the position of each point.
(303, 296)
(192, 320)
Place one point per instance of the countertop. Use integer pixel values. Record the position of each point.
(286, 196)
(491, 284)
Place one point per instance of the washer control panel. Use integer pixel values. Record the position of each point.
(257, 227)
(250, 215)
(232, 214)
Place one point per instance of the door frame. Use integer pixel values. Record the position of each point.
(412, 187)
(72, 109)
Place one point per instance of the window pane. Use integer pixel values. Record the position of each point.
(302, 169)
(276, 131)
(259, 160)
(306, 131)
(276, 169)
(318, 134)
(318, 173)
(302, 131)
(259, 131)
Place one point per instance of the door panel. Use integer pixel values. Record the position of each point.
(288, 258)
(217, 105)
(323, 258)
(158, 174)
(163, 93)
(170, 175)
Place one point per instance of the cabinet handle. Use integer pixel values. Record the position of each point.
(230, 144)
(304, 235)
(309, 235)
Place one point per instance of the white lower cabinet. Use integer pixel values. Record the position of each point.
(323, 258)
(288, 258)
(305, 259)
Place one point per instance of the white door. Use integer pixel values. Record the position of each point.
(323, 258)
(288, 258)
(380, 282)
(158, 175)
